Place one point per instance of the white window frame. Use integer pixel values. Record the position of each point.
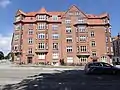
(54, 27)
(55, 46)
(30, 51)
(16, 37)
(55, 36)
(42, 17)
(83, 59)
(92, 34)
(70, 60)
(68, 30)
(30, 32)
(18, 27)
(55, 55)
(82, 38)
(16, 47)
(69, 40)
(41, 46)
(83, 48)
(41, 36)
(94, 53)
(30, 40)
(81, 29)
(93, 44)
(69, 49)
(67, 21)
(42, 26)
(41, 56)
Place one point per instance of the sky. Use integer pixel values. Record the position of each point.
(8, 9)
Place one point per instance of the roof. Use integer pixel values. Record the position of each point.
(61, 13)
(97, 16)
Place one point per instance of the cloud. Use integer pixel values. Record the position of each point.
(4, 3)
(5, 43)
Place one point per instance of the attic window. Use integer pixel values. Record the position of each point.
(54, 17)
(41, 17)
(18, 18)
(77, 13)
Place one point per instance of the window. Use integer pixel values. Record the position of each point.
(92, 34)
(83, 59)
(18, 27)
(110, 39)
(55, 55)
(81, 29)
(83, 48)
(30, 31)
(77, 13)
(69, 59)
(68, 29)
(16, 37)
(80, 20)
(94, 53)
(106, 39)
(41, 46)
(55, 46)
(54, 17)
(30, 51)
(77, 49)
(111, 49)
(107, 49)
(30, 25)
(41, 36)
(68, 21)
(15, 47)
(103, 58)
(82, 38)
(69, 48)
(42, 17)
(30, 40)
(69, 39)
(18, 18)
(93, 43)
(41, 55)
(55, 36)
(54, 27)
(42, 26)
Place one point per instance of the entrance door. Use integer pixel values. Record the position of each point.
(29, 60)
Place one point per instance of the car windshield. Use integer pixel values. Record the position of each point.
(106, 65)
(94, 64)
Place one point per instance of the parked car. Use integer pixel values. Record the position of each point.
(100, 68)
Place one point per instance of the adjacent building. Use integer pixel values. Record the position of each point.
(116, 49)
(72, 35)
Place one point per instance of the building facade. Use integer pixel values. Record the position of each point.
(73, 36)
(116, 49)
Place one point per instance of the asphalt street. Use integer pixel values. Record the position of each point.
(67, 80)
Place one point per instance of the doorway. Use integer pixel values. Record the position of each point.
(29, 60)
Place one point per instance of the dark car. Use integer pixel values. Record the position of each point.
(101, 68)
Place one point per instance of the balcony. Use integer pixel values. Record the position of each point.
(17, 52)
(79, 54)
(41, 51)
(80, 23)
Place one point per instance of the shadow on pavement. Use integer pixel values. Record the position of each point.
(67, 80)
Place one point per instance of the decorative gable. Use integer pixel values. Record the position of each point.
(74, 10)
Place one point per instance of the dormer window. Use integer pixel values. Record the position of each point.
(55, 17)
(18, 18)
(80, 20)
(42, 17)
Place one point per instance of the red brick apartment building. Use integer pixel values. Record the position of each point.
(74, 36)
